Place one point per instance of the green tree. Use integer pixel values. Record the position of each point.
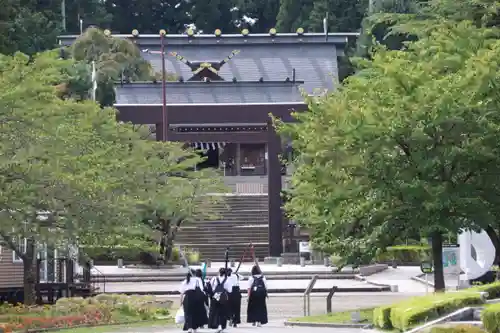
(214, 14)
(115, 59)
(56, 181)
(23, 28)
(70, 174)
(410, 143)
(264, 11)
(194, 199)
(148, 16)
(293, 14)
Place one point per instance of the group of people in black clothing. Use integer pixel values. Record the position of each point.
(216, 302)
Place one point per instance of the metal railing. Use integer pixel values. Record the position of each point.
(99, 279)
(329, 299)
(307, 295)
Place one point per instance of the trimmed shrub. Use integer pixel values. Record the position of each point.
(144, 255)
(419, 310)
(491, 318)
(457, 329)
(493, 289)
(382, 317)
(405, 254)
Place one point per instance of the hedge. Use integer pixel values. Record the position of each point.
(408, 313)
(143, 255)
(457, 329)
(382, 317)
(405, 254)
(493, 289)
(491, 318)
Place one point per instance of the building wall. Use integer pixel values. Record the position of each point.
(11, 273)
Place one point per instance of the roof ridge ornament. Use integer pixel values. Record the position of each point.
(198, 67)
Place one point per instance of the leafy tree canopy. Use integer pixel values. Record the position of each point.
(71, 174)
(410, 143)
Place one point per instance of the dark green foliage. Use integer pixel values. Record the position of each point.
(405, 254)
(418, 310)
(491, 318)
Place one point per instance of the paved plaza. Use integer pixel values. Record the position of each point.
(270, 328)
(158, 287)
(282, 307)
(245, 269)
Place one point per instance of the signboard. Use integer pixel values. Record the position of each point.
(426, 267)
(304, 247)
(451, 260)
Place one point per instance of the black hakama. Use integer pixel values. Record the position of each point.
(217, 315)
(195, 314)
(235, 305)
(257, 309)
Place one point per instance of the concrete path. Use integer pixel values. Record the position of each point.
(244, 269)
(269, 328)
(401, 277)
(282, 307)
(138, 287)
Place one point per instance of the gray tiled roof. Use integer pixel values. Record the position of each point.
(209, 93)
(316, 65)
(273, 58)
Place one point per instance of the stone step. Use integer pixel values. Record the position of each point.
(211, 241)
(238, 225)
(240, 216)
(217, 252)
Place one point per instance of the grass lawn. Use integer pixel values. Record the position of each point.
(337, 317)
(118, 328)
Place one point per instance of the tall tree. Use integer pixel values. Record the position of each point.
(149, 16)
(410, 143)
(213, 14)
(263, 11)
(293, 14)
(115, 59)
(70, 174)
(26, 29)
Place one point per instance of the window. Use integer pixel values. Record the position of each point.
(21, 244)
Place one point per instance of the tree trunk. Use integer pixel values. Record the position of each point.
(496, 243)
(170, 240)
(30, 276)
(437, 257)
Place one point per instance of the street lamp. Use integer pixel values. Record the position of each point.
(164, 84)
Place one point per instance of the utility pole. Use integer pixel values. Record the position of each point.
(63, 14)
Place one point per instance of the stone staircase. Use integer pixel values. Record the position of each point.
(242, 219)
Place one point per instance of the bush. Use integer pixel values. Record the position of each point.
(405, 254)
(75, 311)
(491, 318)
(144, 255)
(422, 309)
(417, 310)
(382, 317)
(457, 329)
(493, 289)
(193, 257)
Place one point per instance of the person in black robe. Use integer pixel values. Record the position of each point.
(192, 297)
(202, 303)
(218, 313)
(235, 298)
(257, 295)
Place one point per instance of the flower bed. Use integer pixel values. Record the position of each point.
(71, 312)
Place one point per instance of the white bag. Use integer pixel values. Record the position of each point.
(179, 316)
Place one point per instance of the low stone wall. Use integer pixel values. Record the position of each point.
(372, 269)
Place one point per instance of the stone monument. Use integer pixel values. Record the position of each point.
(477, 254)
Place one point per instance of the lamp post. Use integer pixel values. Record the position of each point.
(163, 83)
